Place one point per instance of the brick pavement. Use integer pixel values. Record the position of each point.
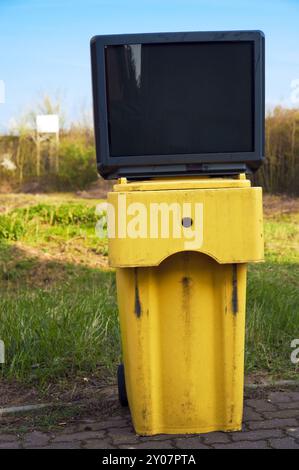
(269, 422)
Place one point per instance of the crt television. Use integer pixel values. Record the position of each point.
(178, 103)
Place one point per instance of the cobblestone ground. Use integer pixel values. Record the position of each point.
(270, 422)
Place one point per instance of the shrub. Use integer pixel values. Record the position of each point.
(77, 166)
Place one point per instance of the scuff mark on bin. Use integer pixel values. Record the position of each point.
(186, 312)
(138, 309)
(235, 290)
(144, 414)
(186, 283)
(232, 413)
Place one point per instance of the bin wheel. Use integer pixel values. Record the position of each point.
(121, 382)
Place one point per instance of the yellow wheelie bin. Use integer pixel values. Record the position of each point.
(182, 299)
(179, 122)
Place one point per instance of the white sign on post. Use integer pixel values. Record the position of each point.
(47, 123)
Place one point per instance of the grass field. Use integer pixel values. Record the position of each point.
(273, 299)
(58, 312)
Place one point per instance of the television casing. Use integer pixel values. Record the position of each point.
(147, 166)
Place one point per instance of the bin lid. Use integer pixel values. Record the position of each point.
(178, 183)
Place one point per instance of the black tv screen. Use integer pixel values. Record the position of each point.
(178, 103)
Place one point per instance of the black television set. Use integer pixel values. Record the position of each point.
(178, 103)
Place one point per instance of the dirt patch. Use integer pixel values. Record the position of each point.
(257, 378)
(72, 251)
(32, 187)
(97, 190)
(277, 205)
(27, 265)
(99, 404)
(15, 394)
(5, 187)
(74, 389)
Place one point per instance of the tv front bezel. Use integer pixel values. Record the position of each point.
(143, 166)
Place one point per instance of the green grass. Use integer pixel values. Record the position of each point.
(58, 313)
(58, 318)
(68, 330)
(273, 300)
(46, 223)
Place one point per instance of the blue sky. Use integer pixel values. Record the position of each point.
(44, 44)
